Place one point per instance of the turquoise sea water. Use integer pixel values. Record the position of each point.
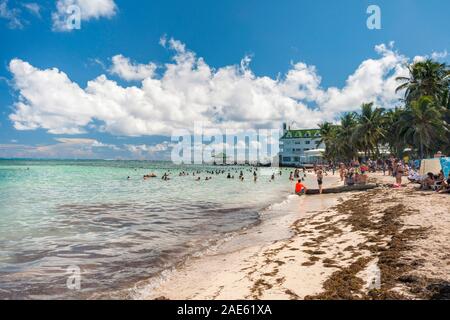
(58, 214)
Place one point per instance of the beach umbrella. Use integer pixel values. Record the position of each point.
(430, 165)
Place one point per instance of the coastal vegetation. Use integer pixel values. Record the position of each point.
(419, 126)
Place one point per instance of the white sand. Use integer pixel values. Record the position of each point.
(291, 257)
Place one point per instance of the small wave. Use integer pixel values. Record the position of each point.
(145, 288)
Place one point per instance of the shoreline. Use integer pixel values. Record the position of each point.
(367, 245)
(273, 228)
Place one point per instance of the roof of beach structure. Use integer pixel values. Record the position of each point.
(304, 133)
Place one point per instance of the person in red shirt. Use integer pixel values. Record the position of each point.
(300, 188)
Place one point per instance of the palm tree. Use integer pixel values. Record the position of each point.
(346, 148)
(369, 129)
(328, 137)
(392, 131)
(445, 143)
(426, 78)
(421, 125)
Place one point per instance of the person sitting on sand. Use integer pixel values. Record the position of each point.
(363, 178)
(441, 177)
(445, 188)
(350, 179)
(364, 168)
(428, 182)
(300, 189)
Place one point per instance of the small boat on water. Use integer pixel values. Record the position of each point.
(356, 187)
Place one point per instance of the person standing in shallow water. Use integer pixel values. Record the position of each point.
(319, 173)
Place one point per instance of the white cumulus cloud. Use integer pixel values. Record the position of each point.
(125, 69)
(63, 148)
(89, 9)
(189, 90)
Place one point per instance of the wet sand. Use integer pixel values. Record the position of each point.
(380, 244)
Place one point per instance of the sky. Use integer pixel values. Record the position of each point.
(135, 72)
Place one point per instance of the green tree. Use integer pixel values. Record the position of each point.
(369, 130)
(392, 136)
(346, 146)
(421, 125)
(426, 78)
(328, 137)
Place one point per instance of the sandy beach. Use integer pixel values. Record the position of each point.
(380, 244)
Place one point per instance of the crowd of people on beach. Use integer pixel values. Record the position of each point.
(351, 173)
(430, 181)
(355, 172)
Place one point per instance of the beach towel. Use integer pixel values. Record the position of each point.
(445, 164)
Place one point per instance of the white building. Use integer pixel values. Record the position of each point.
(300, 147)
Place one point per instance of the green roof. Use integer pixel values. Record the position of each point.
(306, 133)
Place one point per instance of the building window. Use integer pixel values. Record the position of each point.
(296, 159)
(286, 159)
(307, 142)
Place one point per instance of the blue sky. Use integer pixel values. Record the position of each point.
(321, 43)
